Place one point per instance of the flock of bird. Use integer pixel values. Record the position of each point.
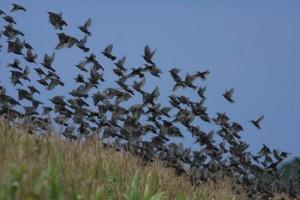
(146, 129)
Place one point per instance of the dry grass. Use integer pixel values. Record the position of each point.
(35, 167)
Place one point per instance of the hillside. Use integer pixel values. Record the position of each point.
(45, 167)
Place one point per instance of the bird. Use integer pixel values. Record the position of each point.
(81, 65)
(2, 12)
(257, 122)
(15, 46)
(9, 19)
(203, 75)
(155, 71)
(85, 26)
(47, 62)
(40, 72)
(33, 90)
(65, 41)
(11, 32)
(120, 64)
(69, 133)
(53, 83)
(228, 95)
(148, 54)
(56, 20)
(81, 44)
(107, 52)
(201, 92)
(30, 57)
(15, 64)
(17, 7)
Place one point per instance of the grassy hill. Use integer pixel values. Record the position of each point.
(46, 167)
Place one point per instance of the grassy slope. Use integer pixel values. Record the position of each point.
(34, 167)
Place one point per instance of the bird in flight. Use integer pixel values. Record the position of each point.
(17, 7)
(257, 122)
(228, 95)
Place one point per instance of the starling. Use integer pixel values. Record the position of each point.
(17, 7)
(257, 122)
(228, 95)
(85, 26)
(56, 20)
(148, 54)
(107, 52)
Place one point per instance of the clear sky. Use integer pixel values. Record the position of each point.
(253, 46)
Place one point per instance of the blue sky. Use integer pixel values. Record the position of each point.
(251, 46)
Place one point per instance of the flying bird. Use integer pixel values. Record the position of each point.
(17, 7)
(9, 19)
(85, 26)
(228, 95)
(203, 75)
(81, 44)
(30, 57)
(257, 122)
(148, 54)
(48, 60)
(107, 52)
(56, 20)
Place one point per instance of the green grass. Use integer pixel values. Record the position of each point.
(35, 167)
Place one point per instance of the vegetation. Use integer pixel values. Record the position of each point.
(46, 167)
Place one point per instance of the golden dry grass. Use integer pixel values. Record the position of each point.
(46, 167)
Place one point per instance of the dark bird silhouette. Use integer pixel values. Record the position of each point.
(257, 122)
(24, 94)
(178, 81)
(53, 83)
(107, 52)
(203, 75)
(15, 64)
(81, 44)
(155, 71)
(82, 90)
(48, 60)
(81, 65)
(139, 85)
(2, 12)
(9, 19)
(189, 79)
(15, 46)
(201, 92)
(16, 76)
(136, 72)
(56, 20)
(17, 7)
(47, 110)
(11, 32)
(69, 133)
(148, 54)
(33, 90)
(79, 79)
(30, 57)
(174, 73)
(120, 64)
(228, 95)
(84, 28)
(65, 41)
(40, 72)
(92, 59)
